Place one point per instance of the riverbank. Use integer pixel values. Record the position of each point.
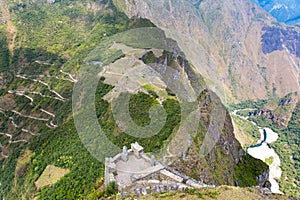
(269, 156)
(264, 152)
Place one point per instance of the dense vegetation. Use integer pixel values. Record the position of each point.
(50, 37)
(4, 52)
(246, 168)
(59, 36)
(62, 148)
(247, 104)
(139, 106)
(287, 145)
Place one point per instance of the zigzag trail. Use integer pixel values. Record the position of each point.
(45, 84)
(24, 93)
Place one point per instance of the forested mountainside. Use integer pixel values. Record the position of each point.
(282, 116)
(50, 42)
(241, 48)
(42, 46)
(284, 11)
(46, 43)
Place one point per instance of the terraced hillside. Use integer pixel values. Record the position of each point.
(38, 71)
(60, 59)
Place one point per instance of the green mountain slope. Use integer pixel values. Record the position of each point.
(282, 116)
(44, 47)
(35, 94)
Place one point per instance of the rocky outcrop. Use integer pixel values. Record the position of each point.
(223, 165)
(265, 113)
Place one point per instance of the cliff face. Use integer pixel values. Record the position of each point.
(201, 144)
(227, 163)
(231, 43)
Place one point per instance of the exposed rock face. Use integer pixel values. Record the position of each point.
(227, 43)
(222, 161)
(263, 179)
(265, 113)
(223, 165)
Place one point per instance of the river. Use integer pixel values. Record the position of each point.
(264, 152)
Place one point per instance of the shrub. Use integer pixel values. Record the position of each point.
(111, 189)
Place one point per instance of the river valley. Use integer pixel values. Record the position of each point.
(264, 152)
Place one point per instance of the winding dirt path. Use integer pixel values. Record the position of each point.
(3, 156)
(21, 93)
(45, 84)
(28, 116)
(13, 122)
(27, 131)
(71, 77)
(48, 113)
(6, 135)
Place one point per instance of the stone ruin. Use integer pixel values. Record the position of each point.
(135, 171)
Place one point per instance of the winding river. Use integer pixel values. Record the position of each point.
(264, 152)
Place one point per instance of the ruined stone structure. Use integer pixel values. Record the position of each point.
(134, 169)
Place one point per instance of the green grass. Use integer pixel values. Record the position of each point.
(269, 160)
(139, 106)
(50, 176)
(247, 128)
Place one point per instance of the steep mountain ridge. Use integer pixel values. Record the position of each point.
(223, 40)
(53, 40)
(37, 124)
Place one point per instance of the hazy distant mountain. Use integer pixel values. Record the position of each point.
(287, 11)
